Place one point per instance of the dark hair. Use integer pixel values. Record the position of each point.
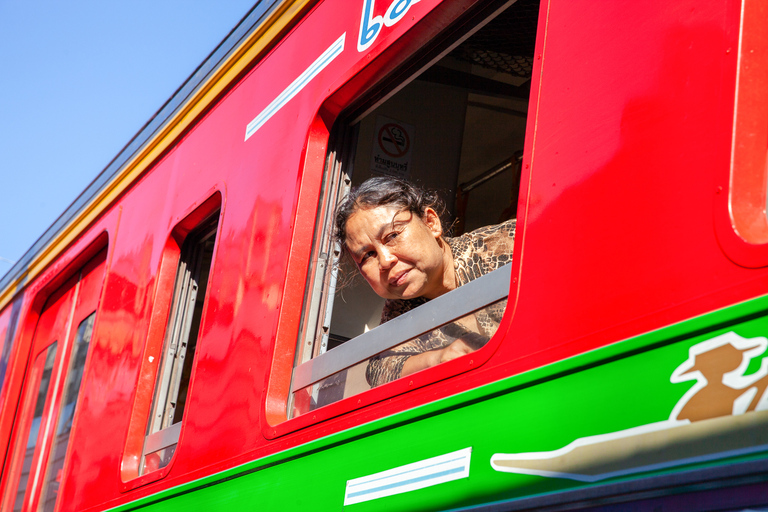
(385, 191)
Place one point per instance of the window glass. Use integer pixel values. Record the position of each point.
(56, 372)
(179, 348)
(8, 321)
(63, 427)
(43, 368)
(457, 128)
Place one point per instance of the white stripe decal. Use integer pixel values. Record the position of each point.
(292, 90)
(425, 473)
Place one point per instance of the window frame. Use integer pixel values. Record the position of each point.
(187, 224)
(191, 282)
(741, 191)
(72, 295)
(31, 303)
(30, 398)
(47, 476)
(8, 338)
(394, 68)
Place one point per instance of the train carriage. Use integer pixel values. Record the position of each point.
(187, 335)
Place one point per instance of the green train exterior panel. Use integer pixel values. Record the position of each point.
(619, 392)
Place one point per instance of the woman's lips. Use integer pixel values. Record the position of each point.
(399, 280)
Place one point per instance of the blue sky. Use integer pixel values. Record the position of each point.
(77, 80)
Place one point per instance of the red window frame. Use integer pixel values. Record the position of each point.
(374, 82)
(163, 298)
(66, 307)
(741, 193)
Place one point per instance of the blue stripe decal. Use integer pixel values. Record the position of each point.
(296, 86)
(408, 471)
(406, 482)
(417, 475)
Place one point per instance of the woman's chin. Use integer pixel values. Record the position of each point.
(407, 293)
(396, 293)
(407, 290)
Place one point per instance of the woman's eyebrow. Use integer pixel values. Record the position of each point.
(364, 248)
(395, 221)
(379, 234)
(358, 254)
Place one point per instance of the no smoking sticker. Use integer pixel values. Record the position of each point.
(394, 140)
(392, 144)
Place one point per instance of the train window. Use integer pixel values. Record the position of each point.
(51, 389)
(750, 131)
(8, 321)
(63, 428)
(742, 191)
(173, 376)
(457, 127)
(40, 382)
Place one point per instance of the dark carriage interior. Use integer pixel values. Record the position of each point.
(464, 121)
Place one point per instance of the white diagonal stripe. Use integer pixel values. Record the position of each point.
(425, 473)
(296, 86)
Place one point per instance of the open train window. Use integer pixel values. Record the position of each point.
(458, 127)
(175, 370)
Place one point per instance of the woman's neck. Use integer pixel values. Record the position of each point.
(448, 281)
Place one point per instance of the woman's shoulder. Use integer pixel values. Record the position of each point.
(488, 241)
(497, 235)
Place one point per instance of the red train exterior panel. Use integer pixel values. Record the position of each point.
(622, 229)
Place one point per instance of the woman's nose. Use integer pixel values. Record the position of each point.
(386, 259)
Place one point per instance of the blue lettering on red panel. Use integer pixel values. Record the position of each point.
(370, 25)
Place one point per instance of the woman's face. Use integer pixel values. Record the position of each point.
(398, 252)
